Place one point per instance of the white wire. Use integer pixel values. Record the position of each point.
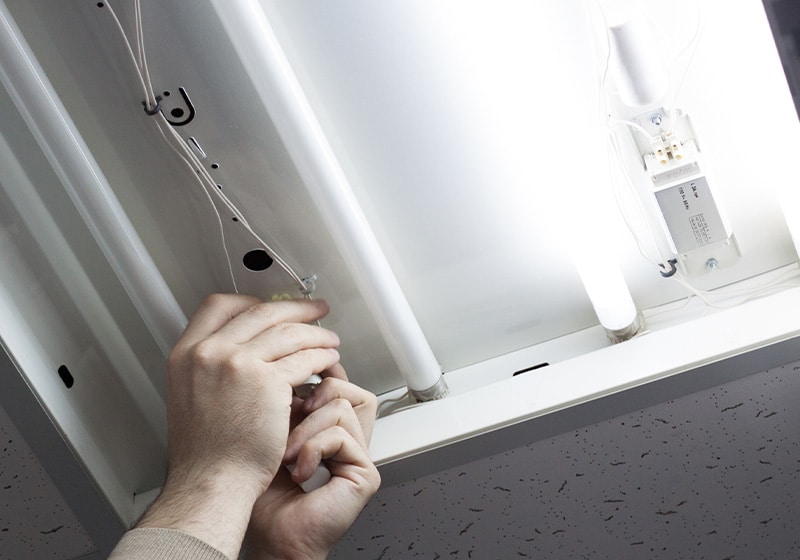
(391, 406)
(142, 53)
(748, 293)
(209, 186)
(695, 40)
(130, 51)
(221, 227)
(187, 155)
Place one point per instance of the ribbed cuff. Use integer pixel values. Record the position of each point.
(151, 543)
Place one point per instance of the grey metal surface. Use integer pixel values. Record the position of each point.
(50, 506)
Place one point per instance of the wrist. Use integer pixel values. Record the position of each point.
(195, 504)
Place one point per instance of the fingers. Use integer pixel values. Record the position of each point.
(254, 320)
(337, 413)
(337, 409)
(240, 332)
(285, 339)
(298, 366)
(215, 311)
(239, 318)
(336, 371)
(344, 456)
(364, 403)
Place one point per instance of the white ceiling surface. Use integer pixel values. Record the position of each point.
(712, 475)
(35, 521)
(415, 100)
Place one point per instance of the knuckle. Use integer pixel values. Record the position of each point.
(210, 357)
(374, 478)
(204, 354)
(262, 308)
(340, 433)
(341, 406)
(214, 300)
(332, 355)
(370, 401)
(287, 331)
(234, 363)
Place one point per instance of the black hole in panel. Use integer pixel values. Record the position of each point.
(526, 370)
(257, 260)
(177, 112)
(167, 93)
(214, 166)
(66, 376)
(100, 4)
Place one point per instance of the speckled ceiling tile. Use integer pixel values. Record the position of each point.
(35, 522)
(713, 475)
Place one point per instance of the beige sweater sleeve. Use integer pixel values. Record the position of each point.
(163, 544)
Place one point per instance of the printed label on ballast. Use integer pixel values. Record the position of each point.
(691, 214)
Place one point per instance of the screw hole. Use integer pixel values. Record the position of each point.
(214, 166)
(167, 93)
(257, 260)
(235, 219)
(177, 112)
(100, 4)
(66, 376)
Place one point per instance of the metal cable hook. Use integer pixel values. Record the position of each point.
(177, 113)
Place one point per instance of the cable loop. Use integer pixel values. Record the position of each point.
(154, 111)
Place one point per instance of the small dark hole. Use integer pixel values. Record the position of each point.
(219, 187)
(100, 4)
(177, 112)
(66, 376)
(257, 260)
(167, 93)
(214, 166)
(526, 370)
(235, 219)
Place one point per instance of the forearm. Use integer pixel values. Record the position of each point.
(215, 510)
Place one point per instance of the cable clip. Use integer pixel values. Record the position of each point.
(154, 111)
(178, 116)
(309, 285)
(669, 272)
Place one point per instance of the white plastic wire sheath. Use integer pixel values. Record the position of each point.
(184, 152)
(259, 50)
(87, 187)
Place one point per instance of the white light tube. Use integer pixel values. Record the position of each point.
(258, 48)
(634, 60)
(73, 163)
(609, 294)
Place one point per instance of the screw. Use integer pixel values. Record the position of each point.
(712, 264)
(656, 119)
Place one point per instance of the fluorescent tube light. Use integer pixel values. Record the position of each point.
(609, 294)
(73, 163)
(260, 52)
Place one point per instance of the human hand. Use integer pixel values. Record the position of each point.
(229, 402)
(334, 424)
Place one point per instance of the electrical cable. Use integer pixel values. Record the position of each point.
(187, 155)
(393, 406)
